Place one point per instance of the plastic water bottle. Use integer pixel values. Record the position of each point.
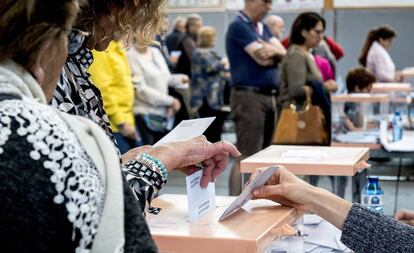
(397, 127)
(372, 196)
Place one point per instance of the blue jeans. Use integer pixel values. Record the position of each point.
(125, 144)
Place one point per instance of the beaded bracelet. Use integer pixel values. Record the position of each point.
(153, 162)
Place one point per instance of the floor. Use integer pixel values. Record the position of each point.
(386, 171)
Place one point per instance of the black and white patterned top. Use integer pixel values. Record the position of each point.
(52, 193)
(76, 94)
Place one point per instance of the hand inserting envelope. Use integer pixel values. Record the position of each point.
(201, 201)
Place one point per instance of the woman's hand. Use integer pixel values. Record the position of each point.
(128, 131)
(184, 155)
(176, 105)
(331, 85)
(286, 189)
(405, 216)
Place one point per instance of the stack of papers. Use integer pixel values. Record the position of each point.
(318, 236)
(358, 137)
(323, 237)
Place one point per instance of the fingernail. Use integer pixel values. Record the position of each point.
(256, 192)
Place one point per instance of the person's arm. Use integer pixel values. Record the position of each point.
(146, 181)
(362, 230)
(296, 71)
(335, 48)
(261, 52)
(189, 46)
(279, 49)
(240, 35)
(349, 125)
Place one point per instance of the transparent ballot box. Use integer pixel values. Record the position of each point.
(356, 117)
(400, 95)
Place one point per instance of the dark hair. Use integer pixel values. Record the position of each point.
(143, 15)
(305, 21)
(26, 25)
(382, 32)
(359, 77)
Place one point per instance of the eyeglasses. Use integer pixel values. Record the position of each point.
(319, 32)
(76, 40)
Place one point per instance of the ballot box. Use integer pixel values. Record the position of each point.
(310, 160)
(253, 228)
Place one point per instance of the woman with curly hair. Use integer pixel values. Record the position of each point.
(61, 187)
(98, 23)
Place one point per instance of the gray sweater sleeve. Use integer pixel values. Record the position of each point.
(367, 231)
(296, 69)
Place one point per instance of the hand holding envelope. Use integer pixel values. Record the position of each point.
(184, 148)
(261, 177)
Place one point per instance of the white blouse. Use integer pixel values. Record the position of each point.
(151, 78)
(379, 62)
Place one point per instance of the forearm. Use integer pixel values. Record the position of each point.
(330, 207)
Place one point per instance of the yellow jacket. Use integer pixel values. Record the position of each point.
(111, 73)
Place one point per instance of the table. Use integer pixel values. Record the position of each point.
(251, 229)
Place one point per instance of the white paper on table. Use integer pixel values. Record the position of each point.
(200, 200)
(297, 153)
(325, 234)
(404, 145)
(311, 219)
(358, 137)
(187, 129)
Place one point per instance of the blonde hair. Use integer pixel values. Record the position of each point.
(26, 25)
(207, 36)
(144, 15)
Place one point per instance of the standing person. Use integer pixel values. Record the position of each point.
(276, 25)
(161, 38)
(188, 43)
(153, 107)
(301, 78)
(375, 57)
(207, 86)
(111, 74)
(76, 94)
(96, 26)
(254, 54)
(175, 35)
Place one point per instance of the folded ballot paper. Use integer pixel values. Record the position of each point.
(246, 194)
